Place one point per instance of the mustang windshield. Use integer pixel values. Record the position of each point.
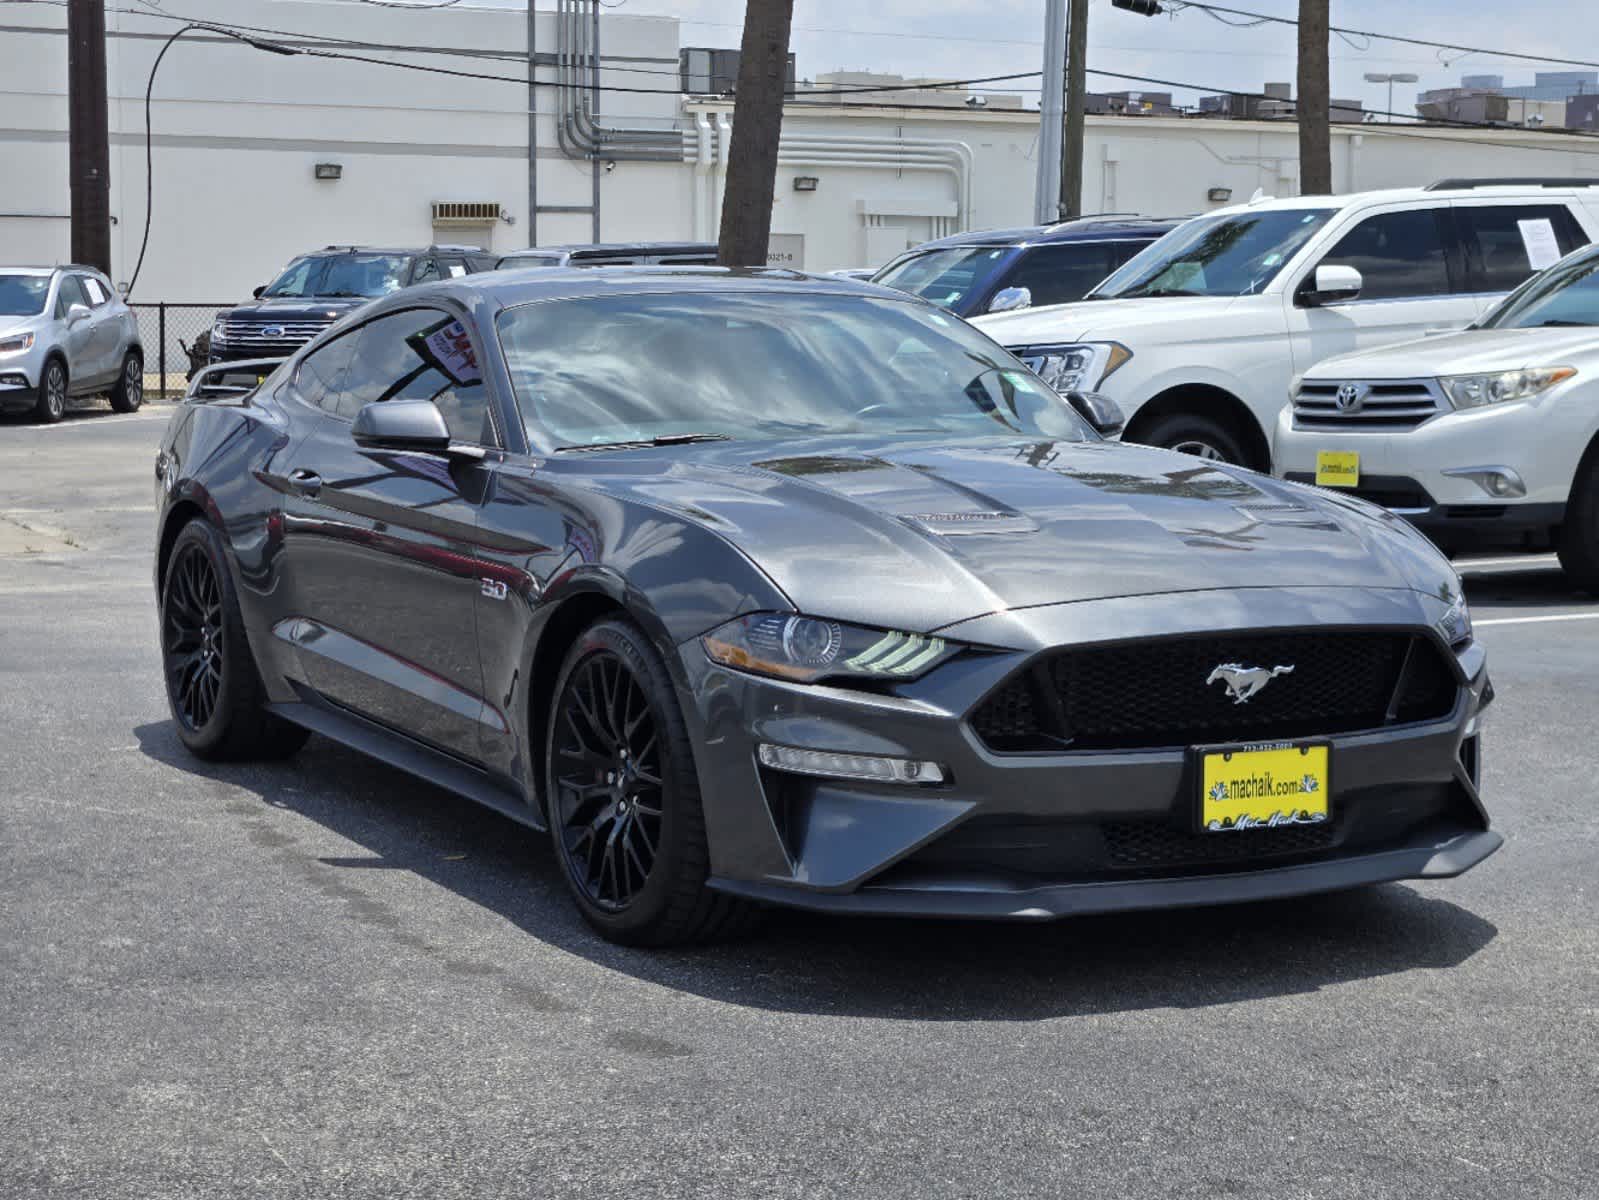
(23, 295)
(757, 365)
(340, 275)
(1566, 294)
(946, 277)
(1235, 255)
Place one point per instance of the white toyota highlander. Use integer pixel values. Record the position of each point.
(1485, 437)
(1196, 339)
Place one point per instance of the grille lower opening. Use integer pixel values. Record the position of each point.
(1155, 694)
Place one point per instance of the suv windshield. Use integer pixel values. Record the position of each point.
(23, 295)
(946, 277)
(1234, 255)
(1566, 294)
(365, 275)
(621, 369)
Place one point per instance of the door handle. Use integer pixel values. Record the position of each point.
(305, 483)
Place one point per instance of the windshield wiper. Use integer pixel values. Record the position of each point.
(344, 295)
(1156, 292)
(1563, 324)
(660, 439)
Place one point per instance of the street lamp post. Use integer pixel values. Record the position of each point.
(1390, 80)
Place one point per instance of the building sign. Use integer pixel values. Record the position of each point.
(786, 250)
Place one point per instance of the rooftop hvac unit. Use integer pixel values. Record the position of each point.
(449, 214)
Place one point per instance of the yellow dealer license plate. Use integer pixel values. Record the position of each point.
(1264, 787)
(1337, 468)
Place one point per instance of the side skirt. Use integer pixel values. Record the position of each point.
(407, 754)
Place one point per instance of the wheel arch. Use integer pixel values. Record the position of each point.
(179, 515)
(1205, 400)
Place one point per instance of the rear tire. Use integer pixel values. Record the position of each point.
(52, 403)
(623, 798)
(213, 687)
(128, 393)
(1190, 433)
(1578, 546)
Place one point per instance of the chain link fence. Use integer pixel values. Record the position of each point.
(175, 338)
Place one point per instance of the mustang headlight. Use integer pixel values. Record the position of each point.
(1455, 624)
(1503, 387)
(17, 344)
(808, 649)
(1082, 367)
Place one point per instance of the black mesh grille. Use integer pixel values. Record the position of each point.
(1158, 844)
(1155, 693)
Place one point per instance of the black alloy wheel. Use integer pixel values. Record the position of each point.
(191, 637)
(52, 405)
(214, 690)
(609, 793)
(623, 796)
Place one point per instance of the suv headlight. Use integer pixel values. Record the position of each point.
(16, 344)
(808, 649)
(1504, 387)
(218, 334)
(1080, 367)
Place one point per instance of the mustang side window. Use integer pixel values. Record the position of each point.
(420, 354)
(322, 371)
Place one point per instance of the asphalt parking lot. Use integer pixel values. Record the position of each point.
(322, 979)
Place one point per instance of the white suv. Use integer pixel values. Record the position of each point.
(1197, 338)
(1485, 437)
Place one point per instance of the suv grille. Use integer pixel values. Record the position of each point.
(1144, 695)
(1392, 404)
(251, 335)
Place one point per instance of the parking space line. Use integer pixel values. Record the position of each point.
(1582, 616)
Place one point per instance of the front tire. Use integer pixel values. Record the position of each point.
(623, 797)
(1190, 433)
(128, 393)
(213, 687)
(52, 403)
(1578, 545)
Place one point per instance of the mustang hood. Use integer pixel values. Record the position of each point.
(918, 535)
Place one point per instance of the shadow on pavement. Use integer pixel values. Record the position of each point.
(1539, 584)
(844, 967)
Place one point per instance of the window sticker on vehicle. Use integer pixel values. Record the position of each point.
(447, 347)
(1543, 248)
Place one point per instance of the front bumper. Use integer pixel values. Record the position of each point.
(19, 378)
(1407, 471)
(1050, 834)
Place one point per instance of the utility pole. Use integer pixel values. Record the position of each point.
(89, 152)
(1051, 115)
(757, 125)
(1071, 170)
(1313, 108)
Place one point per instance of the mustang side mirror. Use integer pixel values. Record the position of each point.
(1099, 411)
(1332, 285)
(76, 313)
(1010, 299)
(256, 292)
(402, 425)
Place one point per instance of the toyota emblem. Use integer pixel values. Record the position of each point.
(1351, 396)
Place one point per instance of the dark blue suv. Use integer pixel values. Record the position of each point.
(1056, 264)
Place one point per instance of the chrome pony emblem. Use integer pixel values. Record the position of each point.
(1351, 398)
(1243, 683)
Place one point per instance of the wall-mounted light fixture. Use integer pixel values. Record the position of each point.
(329, 170)
(1220, 195)
(805, 183)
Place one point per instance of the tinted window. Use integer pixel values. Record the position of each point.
(1500, 240)
(71, 293)
(426, 270)
(420, 354)
(762, 367)
(23, 295)
(97, 293)
(950, 277)
(1059, 274)
(1233, 255)
(322, 371)
(355, 274)
(1565, 294)
(1398, 255)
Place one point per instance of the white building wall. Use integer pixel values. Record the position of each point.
(237, 132)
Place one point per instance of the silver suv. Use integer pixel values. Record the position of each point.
(65, 332)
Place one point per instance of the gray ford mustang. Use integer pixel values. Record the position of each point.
(757, 588)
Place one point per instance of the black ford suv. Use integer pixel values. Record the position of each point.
(318, 288)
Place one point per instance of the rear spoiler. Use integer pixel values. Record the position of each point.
(230, 380)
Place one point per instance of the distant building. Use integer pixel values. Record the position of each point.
(1147, 104)
(1475, 106)
(1582, 112)
(877, 87)
(1555, 85)
(1276, 103)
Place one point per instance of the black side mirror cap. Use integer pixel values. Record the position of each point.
(402, 425)
(256, 292)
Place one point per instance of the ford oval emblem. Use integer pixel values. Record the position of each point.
(272, 331)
